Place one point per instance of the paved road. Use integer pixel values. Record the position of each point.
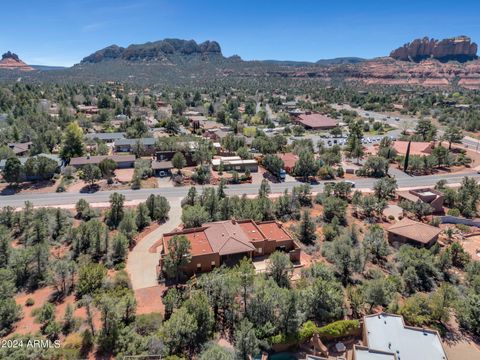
(176, 193)
(141, 263)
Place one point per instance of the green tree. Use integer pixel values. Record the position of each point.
(426, 130)
(375, 243)
(73, 145)
(280, 268)
(194, 216)
(107, 167)
(453, 134)
(306, 165)
(177, 256)
(120, 245)
(178, 333)
(143, 217)
(306, 231)
(13, 170)
(90, 279)
(179, 161)
(158, 207)
(115, 214)
(216, 352)
(91, 174)
(5, 248)
(246, 342)
(199, 306)
(128, 226)
(273, 164)
(385, 188)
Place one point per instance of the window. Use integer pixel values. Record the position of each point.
(199, 267)
(260, 250)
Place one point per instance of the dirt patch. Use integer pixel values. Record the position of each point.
(150, 183)
(39, 187)
(149, 300)
(472, 246)
(124, 175)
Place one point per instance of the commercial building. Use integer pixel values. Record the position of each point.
(315, 121)
(227, 242)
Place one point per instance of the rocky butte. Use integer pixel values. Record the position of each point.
(459, 48)
(11, 61)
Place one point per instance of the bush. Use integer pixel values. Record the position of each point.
(453, 212)
(306, 331)
(339, 329)
(391, 217)
(29, 302)
(463, 228)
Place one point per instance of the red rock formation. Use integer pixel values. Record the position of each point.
(459, 48)
(10, 61)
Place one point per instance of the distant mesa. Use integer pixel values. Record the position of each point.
(459, 48)
(155, 51)
(11, 61)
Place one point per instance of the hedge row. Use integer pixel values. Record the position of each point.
(335, 330)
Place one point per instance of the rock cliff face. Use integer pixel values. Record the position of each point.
(162, 50)
(459, 48)
(11, 61)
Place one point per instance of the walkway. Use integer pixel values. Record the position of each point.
(141, 263)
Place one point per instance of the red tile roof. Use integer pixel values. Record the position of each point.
(229, 237)
(273, 231)
(251, 230)
(198, 241)
(314, 120)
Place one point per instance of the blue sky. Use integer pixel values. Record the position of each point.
(55, 32)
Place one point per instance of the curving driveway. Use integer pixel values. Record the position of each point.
(141, 263)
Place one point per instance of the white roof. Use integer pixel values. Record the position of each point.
(388, 333)
(367, 354)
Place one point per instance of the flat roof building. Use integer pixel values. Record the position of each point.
(386, 337)
(235, 163)
(428, 196)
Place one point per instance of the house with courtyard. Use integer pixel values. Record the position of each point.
(428, 196)
(386, 337)
(415, 233)
(227, 242)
